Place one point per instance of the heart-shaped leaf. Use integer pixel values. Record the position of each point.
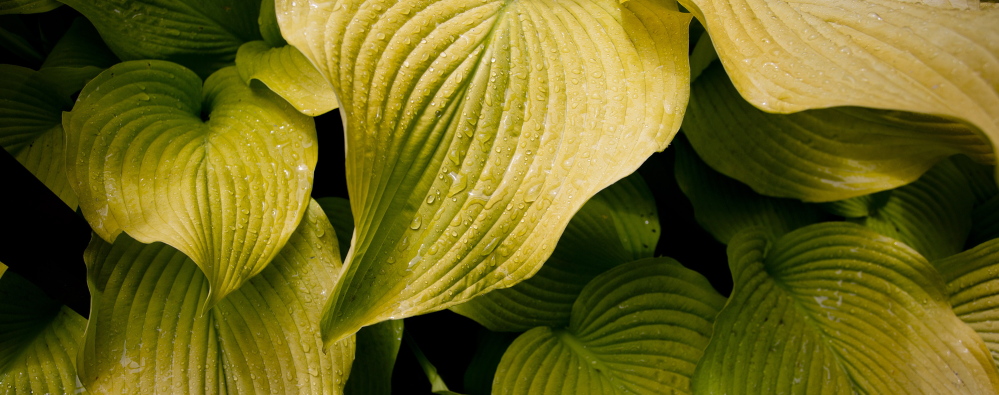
(202, 35)
(724, 206)
(974, 290)
(287, 73)
(931, 215)
(639, 328)
(228, 192)
(819, 155)
(792, 55)
(836, 308)
(616, 226)
(39, 339)
(476, 129)
(145, 335)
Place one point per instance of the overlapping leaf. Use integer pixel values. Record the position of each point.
(818, 155)
(377, 348)
(616, 226)
(202, 35)
(932, 57)
(724, 206)
(39, 339)
(228, 191)
(931, 215)
(836, 308)
(974, 290)
(639, 328)
(289, 74)
(476, 129)
(145, 335)
(27, 6)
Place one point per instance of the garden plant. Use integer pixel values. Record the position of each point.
(271, 192)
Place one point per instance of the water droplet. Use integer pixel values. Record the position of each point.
(417, 222)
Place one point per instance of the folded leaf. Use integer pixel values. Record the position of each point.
(377, 348)
(146, 337)
(639, 328)
(31, 105)
(974, 290)
(931, 215)
(616, 226)
(836, 308)
(724, 206)
(202, 35)
(818, 155)
(476, 129)
(289, 74)
(228, 192)
(930, 57)
(39, 339)
(27, 6)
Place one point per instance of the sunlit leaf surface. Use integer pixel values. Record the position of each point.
(818, 155)
(145, 335)
(227, 191)
(639, 328)
(475, 129)
(616, 226)
(935, 57)
(289, 74)
(835, 308)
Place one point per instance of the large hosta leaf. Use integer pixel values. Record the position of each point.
(202, 35)
(228, 192)
(931, 215)
(145, 335)
(974, 290)
(818, 155)
(39, 339)
(836, 308)
(792, 55)
(476, 129)
(618, 225)
(287, 73)
(724, 206)
(637, 329)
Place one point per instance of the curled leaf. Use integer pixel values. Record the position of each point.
(289, 74)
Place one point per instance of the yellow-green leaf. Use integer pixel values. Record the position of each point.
(145, 335)
(287, 73)
(974, 290)
(618, 225)
(929, 57)
(227, 191)
(39, 339)
(835, 308)
(639, 328)
(338, 211)
(377, 348)
(818, 155)
(476, 129)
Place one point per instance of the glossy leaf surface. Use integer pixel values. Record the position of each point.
(289, 74)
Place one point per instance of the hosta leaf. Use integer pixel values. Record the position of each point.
(202, 35)
(145, 335)
(489, 350)
(637, 329)
(931, 215)
(39, 339)
(836, 308)
(27, 6)
(974, 290)
(338, 211)
(818, 155)
(476, 129)
(981, 178)
(269, 28)
(792, 55)
(228, 192)
(31, 108)
(724, 206)
(377, 348)
(288, 74)
(618, 225)
(78, 56)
